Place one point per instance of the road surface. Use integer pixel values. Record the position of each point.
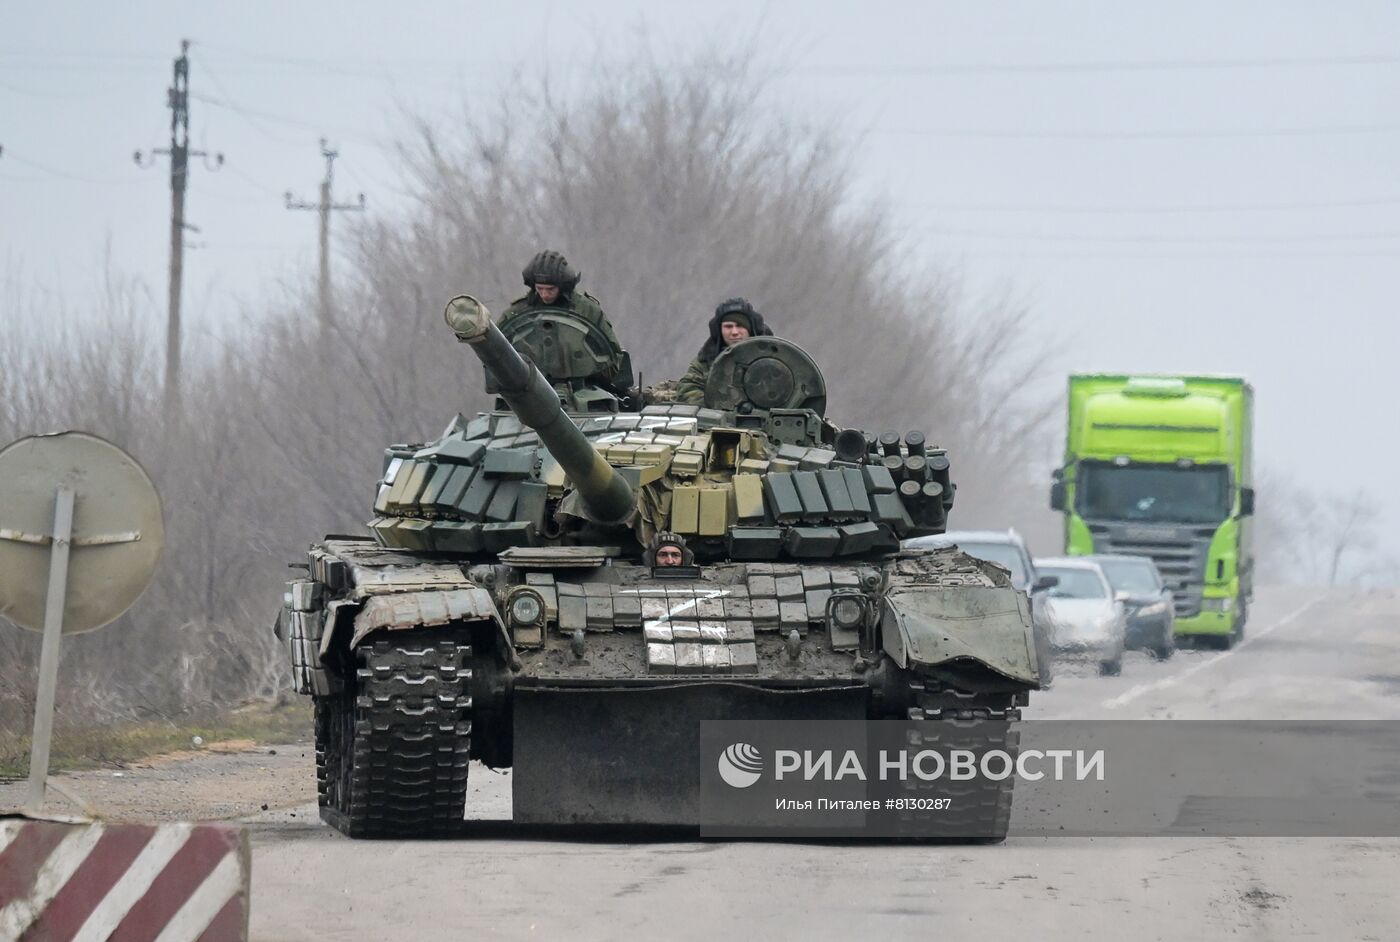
(1310, 654)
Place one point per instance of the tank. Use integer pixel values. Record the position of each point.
(502, 607)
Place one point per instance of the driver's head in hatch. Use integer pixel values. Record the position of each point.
(668, 550)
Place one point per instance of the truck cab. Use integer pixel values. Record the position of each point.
(1161, 466)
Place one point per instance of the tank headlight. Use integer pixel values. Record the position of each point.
(526, 608)
(846, 612)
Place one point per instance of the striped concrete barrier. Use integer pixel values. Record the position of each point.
(124, 882)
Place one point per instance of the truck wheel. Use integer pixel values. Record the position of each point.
(1111, 668)
(1237, 630)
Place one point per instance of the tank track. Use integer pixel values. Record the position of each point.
(981, 809)
(392, 749)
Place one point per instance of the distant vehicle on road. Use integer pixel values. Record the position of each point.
(1161, 466)
(1085, 619)
(1148, 601)
(1007, 549)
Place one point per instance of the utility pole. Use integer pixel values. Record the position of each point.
(178, 101)
(324, 207)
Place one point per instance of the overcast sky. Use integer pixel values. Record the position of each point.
(1171, 186)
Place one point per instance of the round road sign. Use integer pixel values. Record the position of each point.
(117, 537)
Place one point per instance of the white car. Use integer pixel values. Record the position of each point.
(1085, 619)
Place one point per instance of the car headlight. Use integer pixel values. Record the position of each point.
(526, 608)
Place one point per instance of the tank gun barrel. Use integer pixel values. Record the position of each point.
(605, 493)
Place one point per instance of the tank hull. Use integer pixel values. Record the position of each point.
(598, 706)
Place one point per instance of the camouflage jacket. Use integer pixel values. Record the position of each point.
(580, 302)
(691, 387)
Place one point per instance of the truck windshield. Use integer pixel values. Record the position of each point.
(1153, 494)
(1003, 554)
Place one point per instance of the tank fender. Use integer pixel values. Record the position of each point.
(934, 627)
(339, 615)
(404, 610)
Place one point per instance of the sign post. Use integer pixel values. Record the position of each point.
(90, 565)
(48, 657)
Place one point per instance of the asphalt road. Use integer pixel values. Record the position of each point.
(1309, 655)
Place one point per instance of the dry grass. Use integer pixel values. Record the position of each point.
(87, 746)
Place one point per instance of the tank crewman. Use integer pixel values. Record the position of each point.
(553, 283)
(735, 321)
(667, 550)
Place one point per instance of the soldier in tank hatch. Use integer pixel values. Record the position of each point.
(668, 550)
(553, 285)
(735, 321)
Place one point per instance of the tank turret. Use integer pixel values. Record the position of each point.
(758, 473)
(605, 494)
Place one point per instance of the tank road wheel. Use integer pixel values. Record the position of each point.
(981, 808)
(397, 744)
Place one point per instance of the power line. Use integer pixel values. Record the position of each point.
(338, 67)
(241, 112)
(36, 93)
(356, 135)
(255, 183)
(1019, 134)
(1121, 65)
(1207, 255)
(382, 68)
(50, 55)
(66, 175)
(1159, 239)
(1071, 210)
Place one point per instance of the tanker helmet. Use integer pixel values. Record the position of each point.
(737, 310)
(550, 268)
(675, 540)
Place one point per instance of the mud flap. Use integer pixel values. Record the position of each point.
(630, 755)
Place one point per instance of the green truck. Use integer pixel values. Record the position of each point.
(1162, 466)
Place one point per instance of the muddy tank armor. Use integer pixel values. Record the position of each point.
(500, 609)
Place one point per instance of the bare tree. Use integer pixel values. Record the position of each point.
(1332, 539)
(672, 185)
(1347, 528)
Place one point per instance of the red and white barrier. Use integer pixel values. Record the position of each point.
(95, 881)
